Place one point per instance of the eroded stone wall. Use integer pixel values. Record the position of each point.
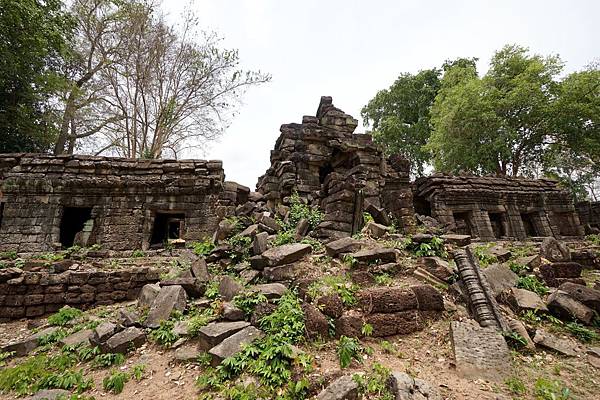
(589, 215)
(497, 207)
(327, 164)
(119, 200)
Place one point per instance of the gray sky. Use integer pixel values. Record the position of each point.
(351, 49)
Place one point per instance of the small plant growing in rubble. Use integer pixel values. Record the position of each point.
(546, 389)
(164, 335)
(203, 247)
(375, 383)
(64, 315)
(435, 247)
(348, 349)
(581, 332)
(532, 284)
(5, 356)
(248, 301)
(107, 360)
(334, 284)
(8, 255)
(137, 372)
(138, 254)
(299, 210)
(483, 256)
(517, 268)
(240, 248)
(516, 386)
(115, 382)
(367, 329)
(594, 239)
(383, 279)
(349, 260)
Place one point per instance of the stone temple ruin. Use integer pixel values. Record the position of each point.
(494, 208)
(48, 203)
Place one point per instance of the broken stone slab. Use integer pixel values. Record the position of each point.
(381, 255)
(25, 346)
(199, 270)
(583, 294)
(301, 229)
(169, 299)
(437, 267)
(405, 387)
(343, 388)
(147, 294)
(270, 290)
(500, 278)
(103, 332)
(215, 332)
(343, 245)
(193, 287)
(249, 275)
(234, 344)
(315, 323)
(375, 230)
(50, 394)
(229, 288)
(260, 243)
(82, 337)
(128, 317)
(269, 224)
(562, 346)
(122, 342)
(556, 273)
(519, 327)
(457, 240)
(531, 262)
(181, 328)
(501, 254)
(224, 229)
(187, 353)
(523, 300)
(555, 251)
(231, 313)
(479, 352)
(250, 231)
(379, 215)
(280, 274)
(286, 254)
(387, 299)
(565, 307)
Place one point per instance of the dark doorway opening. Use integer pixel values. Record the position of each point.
(422, 206)
(462, 221)
(73, 220)
(528, 224)
(1, 213)
(324, 171)
(167, 226)
(498, 221)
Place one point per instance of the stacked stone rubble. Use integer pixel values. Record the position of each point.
(327, 164)
(589, 215)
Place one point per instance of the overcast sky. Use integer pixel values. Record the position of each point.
(351, 49)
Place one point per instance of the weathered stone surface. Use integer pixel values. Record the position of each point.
(500, 278)
(562, 346)
(25, 346)
(558, 273)
(286, 254)
(405, 387)
(315, 323)
(259, 243)
(169, 298)
(523, 300)
(148, 294)
(457, 240)
(125, 340)
(349, 324)
(282, 273)
(215, 332)
(343, 388)
(82, 337)
(428, 298)
(555, 251)
(224, 229)
(128, 317)
(379, 255)
(331, 305)
(50, 394)
(187, 353)
(270, 290)
(301, 229)
(229, 288)
(232, 313)
(343, 245)
(375, 230)
(479, 352)
(250, 231)
(234, 343)
(193, 287)
(249, 275)
(530, 262)
(519, 327)
(260, 311)
(395, 323)
(437, 267)
(387, 299)
(567, 308)
(583, 294)
(199, 270)
(501, 254)
(104, 331)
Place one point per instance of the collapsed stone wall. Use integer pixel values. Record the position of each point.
(497, 207)
(589, 215)
(118, 203)
(327, 164)
(31, 294)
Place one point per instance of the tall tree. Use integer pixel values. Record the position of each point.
(400, 116)
(498, 123)
(33, 43)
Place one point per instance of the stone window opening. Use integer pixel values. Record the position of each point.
(529, 225)
(72, 223)
(462, 221)
(167, 226)
(498, 222)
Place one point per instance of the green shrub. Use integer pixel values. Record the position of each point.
(483, 256)
(239, 248)
(108, 360)
(581, 332)
(375, 383)
(367, 329)
(546, 389)
(138, 254)
(348, 349)
(53, 337)
(164, 335)
(383, 279)
(8, 255)
(284, 237)
(115, 382)
(247, 301)
(435, 247)
(594, 239)
(532, 284)
(338, 284)
(202, 248)
(299, 211)
(516, 386)
(64, 315)
(517, 268)
(137, 372)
